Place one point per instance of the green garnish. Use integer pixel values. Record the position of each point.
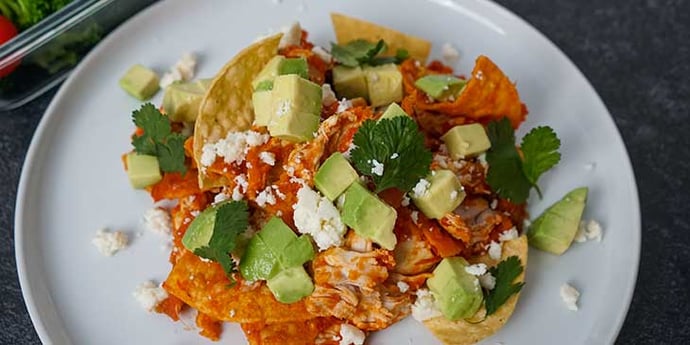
(509, 175)
(395, 146)
(505, 272)
(363, 52)
(265, 85)
(232, 219)
(158, 139)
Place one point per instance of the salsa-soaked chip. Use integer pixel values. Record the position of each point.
(348, 29)
(465, 333)
(227, 105)
(321, 330)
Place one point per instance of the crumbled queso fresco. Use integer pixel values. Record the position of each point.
(476, 269)
(233, 148)
(421, 188)
(588, 230)
(317, 216)
(351, 335)
(149, 295)
(570, 295)
(376, 167)
(182, 70)
(109, 243)
(158, 220)
(423, 307)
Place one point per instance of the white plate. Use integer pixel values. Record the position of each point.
(73, 182)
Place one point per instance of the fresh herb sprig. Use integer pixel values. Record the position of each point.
(505, 273)
(362, 52)
(391, 152)
(158, 139)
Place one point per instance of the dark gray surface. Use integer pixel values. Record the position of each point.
(637, 56)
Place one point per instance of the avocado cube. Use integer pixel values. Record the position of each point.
(262, 107)
(269, 72)
(181, 100)
(457, 293)
(440, 86)
(276, 234)
(142, 170)
(295, 107)
(392, 111)
(259, 261)
(384, 84)
(466, 141)
(296, 66)
(554, 230)
(291, 285)
(443, 195)
(297, 252)
(369, 216)
(140, 82)
(349, 82)
(200, 230)
(334, 176)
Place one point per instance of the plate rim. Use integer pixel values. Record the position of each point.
(49, 115)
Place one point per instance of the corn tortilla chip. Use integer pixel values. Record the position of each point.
(349, 29)
(464, 333)
(289, 333)
(227, 105)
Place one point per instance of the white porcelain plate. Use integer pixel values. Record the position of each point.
(73, 182)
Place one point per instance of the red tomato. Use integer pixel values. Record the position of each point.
(7, 32)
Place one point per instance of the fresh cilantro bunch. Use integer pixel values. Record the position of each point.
(397, 145)
(505, 273)
(158, 139)
(363, 52)
(232, 219)
(510, 175)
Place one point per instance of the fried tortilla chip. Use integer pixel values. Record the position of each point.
(204, 286)
(293, 333)
(489, 94)
(464, 333)
(349, 29)
(227, 105)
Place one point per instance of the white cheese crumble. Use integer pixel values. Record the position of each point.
(588, 230)
(182, 70)
(376, 167)
(476, 269)
(403, 287)
(508, 235)
(405, 201)
(268, 158)
(158, 220)
(241, 185)
(395, 155)
(327, 95)
(351, 335)
(266, 196)
(493, 204)
(421, 188)
(343, 105)
(322, 54)
(487, 281)
(570, 295)
(415, 216)
(479, 75)
(292, 36)
(220, 197)
(449, 54)
(317, 216)
(149, 295)
(109, 243)
(350, 147)
(233, 148)
(495, 250)
(423, 307)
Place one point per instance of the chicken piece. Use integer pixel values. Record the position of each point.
(413, 254)
(456, 227)
(337, 266)
(358, 243)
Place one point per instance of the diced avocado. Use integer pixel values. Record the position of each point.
(265, 85)
(466, 141)
(392, 111)
(258, 262)
(269, 72)
(457, 293)
(181, 100)
(296, 66)
(297, 252)
(200, 230)
(369, 216)
(140, 82)
(295, 108)
(444, 194)
(291, 285)
(384, 84)
(334, 176)
(349, 82)
(276, 234)
(554, 230)
(142, 170)
(262, 107)
(440, 86)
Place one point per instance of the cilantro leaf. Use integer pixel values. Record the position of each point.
(506, 176)
(540, 149)
(505, 272)
(400, 56)
(158, 139)
(232, 219)
(395, 144)
(357, 52)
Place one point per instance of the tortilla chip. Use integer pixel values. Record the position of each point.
(489, 94)
(204, 286)
(290, 333)
(464, 333)
(348, 29)
(227, 105)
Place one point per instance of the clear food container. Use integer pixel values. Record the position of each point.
(46, 52)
